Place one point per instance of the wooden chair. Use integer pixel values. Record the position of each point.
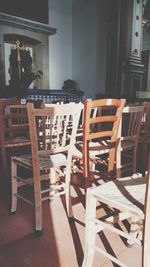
(126, 198)
(129, 135)
(13, 128)
(144, 138)
(52, 134)
(100, 136)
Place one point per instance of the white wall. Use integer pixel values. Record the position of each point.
(78, 50)
(60, 44)
(90, 45)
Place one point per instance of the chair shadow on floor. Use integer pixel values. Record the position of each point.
(76, 222)
(19, 244)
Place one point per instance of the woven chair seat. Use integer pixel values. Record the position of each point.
(45, 161)
(125, 194)
(127, 144)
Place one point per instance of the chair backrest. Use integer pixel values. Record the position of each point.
(103, 126)
(146, 119)
(13, 116)
(13, 127)
(53, 129)
(146, 133)
(131, 122)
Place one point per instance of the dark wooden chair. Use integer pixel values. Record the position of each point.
(129, 135)
(144, 138)
(14, 128)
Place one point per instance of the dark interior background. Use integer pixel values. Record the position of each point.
(31, 9)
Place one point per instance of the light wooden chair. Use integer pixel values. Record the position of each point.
(129, 135)
(126, 198)
(52, 135)
(100, 136)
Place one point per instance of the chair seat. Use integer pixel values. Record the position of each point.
(126, 144)
(46, 161)
(126, 199)
(126, 194)
(95, 148)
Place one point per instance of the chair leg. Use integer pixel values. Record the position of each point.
(53, 175)
(112, 155)
(68, 187)
(145, 154)
(38, 204)
(92, 166)
(133, 230)
(146, 251)
(14, 186)
(90, 233)
(118, 162)
(68, 201)
(52, 180)
(4, 161)
(146, 245)
(134, 160)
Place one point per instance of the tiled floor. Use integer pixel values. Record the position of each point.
(62, 242)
